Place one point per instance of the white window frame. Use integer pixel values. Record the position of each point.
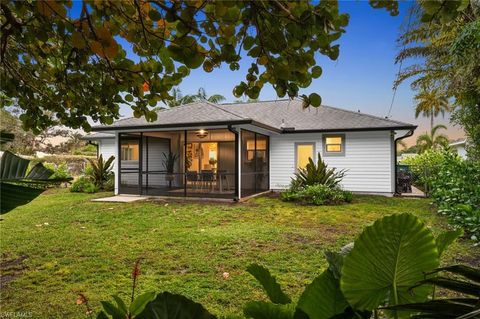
(330, 153)
(296, 151)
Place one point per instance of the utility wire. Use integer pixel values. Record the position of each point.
(399, 70)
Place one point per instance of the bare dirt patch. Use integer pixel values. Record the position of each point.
(10, 268)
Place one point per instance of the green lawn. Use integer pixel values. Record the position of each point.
(62, 244)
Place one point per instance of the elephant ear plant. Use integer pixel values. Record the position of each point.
(383, 269)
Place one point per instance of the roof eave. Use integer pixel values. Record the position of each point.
(355, 129)
(171, 125)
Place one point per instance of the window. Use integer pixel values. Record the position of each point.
(303, 151)
(129, 152)
(334, 145)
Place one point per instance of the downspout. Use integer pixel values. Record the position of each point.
(409, 133)
(237, 162)
(96, 146)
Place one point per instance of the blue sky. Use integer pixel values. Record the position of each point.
(361, 78)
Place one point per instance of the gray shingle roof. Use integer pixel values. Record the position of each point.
(97, 136)
(268, 114)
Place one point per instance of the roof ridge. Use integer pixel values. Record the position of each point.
(364, 114)
(226, 111)
(251, 102)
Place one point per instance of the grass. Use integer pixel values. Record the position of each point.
(62, 244)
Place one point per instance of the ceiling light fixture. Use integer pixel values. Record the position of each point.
(202, 134)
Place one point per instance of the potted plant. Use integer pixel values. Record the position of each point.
(169, 165)
(213, 162)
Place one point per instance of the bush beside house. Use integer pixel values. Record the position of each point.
(454, 186)
(318, 185)
(97, 176)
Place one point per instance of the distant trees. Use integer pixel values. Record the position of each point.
(179, 99)
(431, 103)
(434, 140)
(442, 41)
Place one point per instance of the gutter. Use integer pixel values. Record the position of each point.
(409, 133)
(237, 162)
(291, 130)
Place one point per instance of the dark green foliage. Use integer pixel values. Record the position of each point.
(456, 191)
(386, 261)
(173, 306)
(169, 161)
(59, 171)
(318, 195)
(269, 284)
(6, 137)
(466, 283)
(86, 71)
(83, 185)
(12, 196)
(100, 170)
(18, 187)
(404, 247)
(317, 173)
(317, 184)
(13, 167)
(453, 184)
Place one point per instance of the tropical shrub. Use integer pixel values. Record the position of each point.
(317, 184)
(109, 185)
(318, 195)
(456, 191)
(83, 184)
(60, 171)
(100, 170)
(425, 167)
(317, 174)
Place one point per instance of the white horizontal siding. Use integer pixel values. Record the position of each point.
(367, 160)
(107, 148)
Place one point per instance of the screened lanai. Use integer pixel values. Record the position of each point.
(193, 163)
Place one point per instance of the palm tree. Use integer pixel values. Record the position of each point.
(430, 103)
(433, 140)
(202, 96)
(179, 99)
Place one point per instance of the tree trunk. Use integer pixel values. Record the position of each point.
(431, 124)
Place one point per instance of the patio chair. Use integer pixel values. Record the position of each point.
(223, 180)
(192, 176)
(207, 178)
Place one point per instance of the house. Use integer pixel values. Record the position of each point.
(237, 150)
(459, 147)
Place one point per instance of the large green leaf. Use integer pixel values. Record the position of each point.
(450, 308)
(269, 283)
(464, 287)
(12, 166)
(12, 195)
(172, 306)
(268, 310)
(445, 239)
(137, 305)
(323, 299)
(463, 270)
(39, 172)
(387, 259)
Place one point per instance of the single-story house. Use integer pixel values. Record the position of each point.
(237, 150)
(459, 147)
